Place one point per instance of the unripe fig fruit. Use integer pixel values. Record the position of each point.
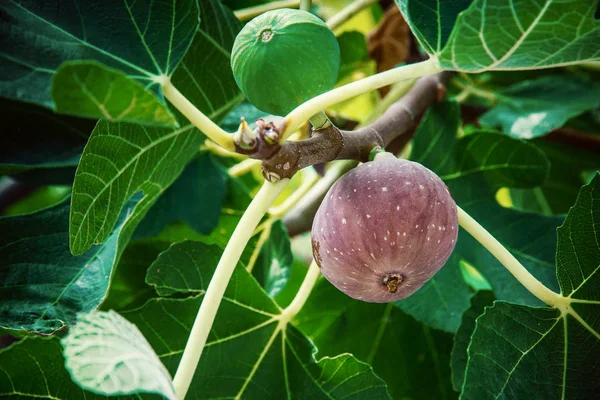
(284, 57)
(384, 229)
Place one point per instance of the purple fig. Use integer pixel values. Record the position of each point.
(384, 229)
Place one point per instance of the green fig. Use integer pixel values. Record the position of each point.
(283, 58)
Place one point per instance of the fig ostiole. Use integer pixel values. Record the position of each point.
(384, 229)
(283, 58)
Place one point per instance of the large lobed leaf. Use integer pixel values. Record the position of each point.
(250, 352)
(503, 34)
(121, 159)
(137, 40)
(409, 356)
(540, 353)
(42, 285)
(35, 368)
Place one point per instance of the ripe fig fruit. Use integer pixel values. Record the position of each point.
(284, 57)
(384, 229)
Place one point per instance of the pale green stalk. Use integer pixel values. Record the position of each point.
(302, 295)
(243, 167)
(513, 265)
(305, 5)
(196, 117)
(216, 288)
(311, 107)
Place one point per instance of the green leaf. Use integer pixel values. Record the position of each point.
(578, 248)
(42, 285)
(530, 237)
(409, 356)
(533, 108)
(505, 35)
(107, 354)
(128, 288)
(273, 266)
(432, 20)
(142, 39)
(186, 262)
(511, 342)
(463, 336)
(195, 198)
(231, 122)
(441, 302)
(35, 368)
(90, 89)
(39, 199)
(493, 156)
(25, 147)
(558, 193)
(353, 52)
(204, 76)
(121, 158)
(481, 35)
(263, 356)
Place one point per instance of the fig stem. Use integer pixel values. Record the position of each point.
(244, 14)
(216, 288)
(196, 117)
(309, 108)
(305, 5)
(320, 121)
(348, 12)
(302, 295)
(531, 283)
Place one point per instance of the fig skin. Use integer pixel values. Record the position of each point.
(283, 58)
(384, 229)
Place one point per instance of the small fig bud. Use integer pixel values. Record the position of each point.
(284, 57)
(384, 229)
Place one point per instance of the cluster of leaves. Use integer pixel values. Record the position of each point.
(149, 209)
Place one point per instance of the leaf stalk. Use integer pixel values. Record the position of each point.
(218, 284)
(196, 117)
(531, 283)
(311, 107)
(311, 278)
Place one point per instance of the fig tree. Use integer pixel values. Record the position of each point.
(284, 57)
(384, 229)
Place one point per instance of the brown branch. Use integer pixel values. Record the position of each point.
(328, 144)
(576, 138)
